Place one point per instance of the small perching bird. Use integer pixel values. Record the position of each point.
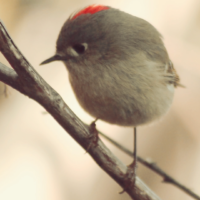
(118, 66)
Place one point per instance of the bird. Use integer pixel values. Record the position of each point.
(118, 66)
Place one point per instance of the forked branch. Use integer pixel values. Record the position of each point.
(24, 78)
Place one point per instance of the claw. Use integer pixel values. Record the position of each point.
(94, 135)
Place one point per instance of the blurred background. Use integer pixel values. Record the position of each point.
(40, 161)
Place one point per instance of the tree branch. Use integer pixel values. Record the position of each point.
(152, 165)
(25, 79)
(8, 76)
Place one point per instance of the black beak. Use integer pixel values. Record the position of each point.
(53, 58)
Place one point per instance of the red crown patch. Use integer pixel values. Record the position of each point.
(91, 9)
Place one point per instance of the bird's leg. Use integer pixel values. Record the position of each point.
(94, 134)
(93, 126)
(133, 165)
(130, 175)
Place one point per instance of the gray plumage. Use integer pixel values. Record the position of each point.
(123, 75)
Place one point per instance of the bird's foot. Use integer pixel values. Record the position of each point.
(130, 176)
(94, 135)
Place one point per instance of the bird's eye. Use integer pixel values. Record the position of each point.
(80, 48)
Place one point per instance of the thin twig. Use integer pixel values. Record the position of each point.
(5, 90)
(8, 76)
(152, 165)
(26, 80)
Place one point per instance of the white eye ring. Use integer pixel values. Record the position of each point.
(72, 52)
(85, 45)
